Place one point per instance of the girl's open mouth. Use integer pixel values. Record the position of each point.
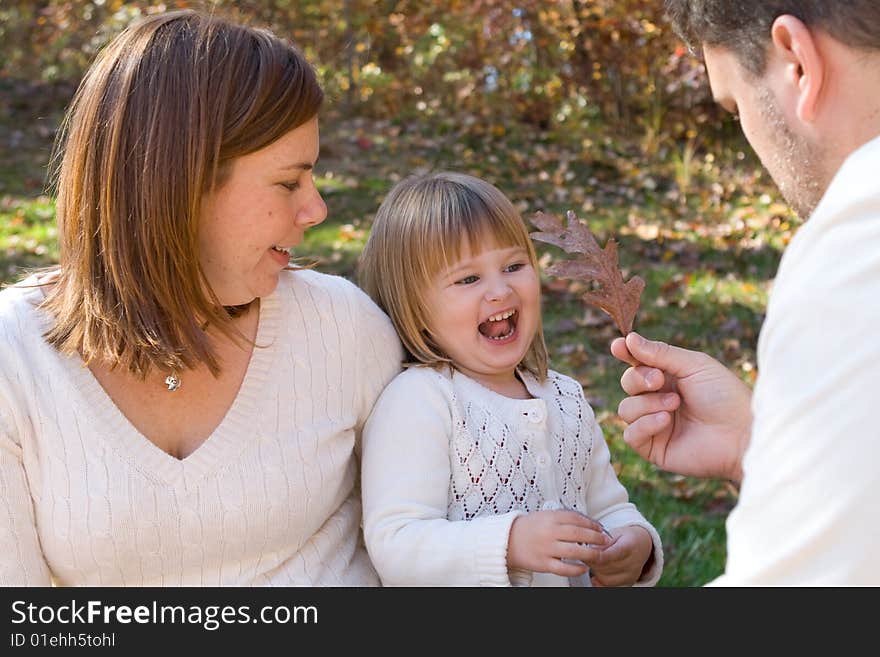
(500, 326)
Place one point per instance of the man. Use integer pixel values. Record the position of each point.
(804, 78)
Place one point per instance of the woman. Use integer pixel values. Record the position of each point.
(178, 405)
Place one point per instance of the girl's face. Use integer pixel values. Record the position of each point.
(261, 211)
(484, 312)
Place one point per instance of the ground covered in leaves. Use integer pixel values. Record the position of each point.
(696, 219)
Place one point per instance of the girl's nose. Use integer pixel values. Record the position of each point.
(497, 290)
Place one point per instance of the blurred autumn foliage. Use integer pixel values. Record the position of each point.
(493, 61)
(592, 106)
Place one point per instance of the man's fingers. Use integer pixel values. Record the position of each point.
(640, 434)
(620, 352)
(675, 360)
(633, 408)
(636, 380)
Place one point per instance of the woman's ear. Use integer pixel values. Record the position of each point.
(803, 62)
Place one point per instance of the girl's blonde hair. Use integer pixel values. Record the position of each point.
(419, 231)
(155, 124)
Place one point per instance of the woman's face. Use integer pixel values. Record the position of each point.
(261, 211)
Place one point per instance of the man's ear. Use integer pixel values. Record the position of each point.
(803, 62)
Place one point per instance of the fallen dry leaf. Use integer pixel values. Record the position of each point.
(617, 297)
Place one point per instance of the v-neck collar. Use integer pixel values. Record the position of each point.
(232, 436)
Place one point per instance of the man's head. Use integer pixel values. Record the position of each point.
(743, 27)
(802, 75)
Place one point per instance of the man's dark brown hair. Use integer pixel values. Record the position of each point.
(743, 26)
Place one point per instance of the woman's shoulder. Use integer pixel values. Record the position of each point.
(312, 287)
(304, 279)
(18, 303)
(22, 325)
(334, 306)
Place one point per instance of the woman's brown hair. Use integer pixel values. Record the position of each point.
(154, 125)
(419, 230)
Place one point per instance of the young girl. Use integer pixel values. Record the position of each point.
(481, 466)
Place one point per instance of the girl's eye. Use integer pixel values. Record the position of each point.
(467, 280)
(514, 267)
(290, 186)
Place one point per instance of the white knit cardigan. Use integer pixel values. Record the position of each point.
(449, 464)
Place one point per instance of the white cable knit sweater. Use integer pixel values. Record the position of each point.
(449, 464)
(270, 498)
(808, 512)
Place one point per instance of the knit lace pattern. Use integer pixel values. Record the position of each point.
(526, 455)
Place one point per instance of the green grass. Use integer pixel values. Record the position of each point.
(28, 236)
(704, 232)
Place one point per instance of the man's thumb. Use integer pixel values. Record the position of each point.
(653, 353)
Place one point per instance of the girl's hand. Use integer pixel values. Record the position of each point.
(621, 563)
(539, 541)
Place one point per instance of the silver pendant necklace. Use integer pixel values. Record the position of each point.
(172, 382)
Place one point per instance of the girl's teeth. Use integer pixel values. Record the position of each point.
(506, 335)
(500, 316)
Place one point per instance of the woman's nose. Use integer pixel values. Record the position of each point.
(313, 212)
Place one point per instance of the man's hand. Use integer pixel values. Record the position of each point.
(540, 540)
(687, 413)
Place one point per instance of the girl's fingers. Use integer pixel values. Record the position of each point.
(574, 534)
(576, 551)
(565, 569)
(574, 520)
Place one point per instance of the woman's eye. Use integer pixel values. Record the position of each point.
(467, 280)
(514, 267)
(290, 186)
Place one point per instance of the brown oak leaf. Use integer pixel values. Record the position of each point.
(591, 264)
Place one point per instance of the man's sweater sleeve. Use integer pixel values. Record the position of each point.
(405, 479)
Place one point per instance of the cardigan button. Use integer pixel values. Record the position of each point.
(535, 415)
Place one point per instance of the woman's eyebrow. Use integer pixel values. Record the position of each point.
(304, 166)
